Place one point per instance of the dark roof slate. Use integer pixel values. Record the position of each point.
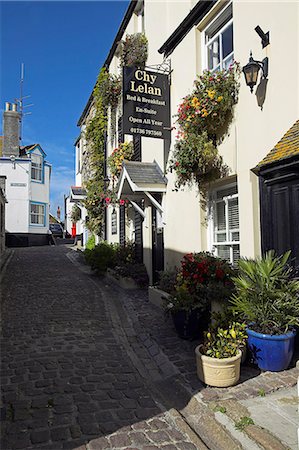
(78, 190)
(144, 173)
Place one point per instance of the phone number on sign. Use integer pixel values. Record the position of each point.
(146, 132)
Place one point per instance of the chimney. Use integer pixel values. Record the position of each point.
(11, 130)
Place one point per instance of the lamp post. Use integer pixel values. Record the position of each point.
(251, 71)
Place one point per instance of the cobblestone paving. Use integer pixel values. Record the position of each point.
(69, 373)
(86, 365)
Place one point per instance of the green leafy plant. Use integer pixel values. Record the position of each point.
(223, 343)
(134, 50)
(261, 393)
(90, 244)
(125, 253)
(221, 409)
(123, 152)
(76, 213)
(101, 257)
(203, 118)
(243, 423)
(266, 297)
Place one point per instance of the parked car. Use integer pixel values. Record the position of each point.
(56, 230)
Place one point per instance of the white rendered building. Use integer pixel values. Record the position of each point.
(27, 186)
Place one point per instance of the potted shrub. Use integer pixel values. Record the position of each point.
(202, 277)
(268, 299)
(229, 318)
(218, 359)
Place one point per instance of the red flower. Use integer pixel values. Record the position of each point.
(121, 202)
(219, 274)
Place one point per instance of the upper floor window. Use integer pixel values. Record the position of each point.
(225, 223)
(219, 49)
(36, 167)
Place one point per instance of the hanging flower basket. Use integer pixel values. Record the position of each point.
(134, 50)
(203, 118)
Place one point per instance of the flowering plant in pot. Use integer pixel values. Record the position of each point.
(268, 300)
(218, 359)
(201, 277)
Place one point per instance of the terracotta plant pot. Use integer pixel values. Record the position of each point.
(218, 372)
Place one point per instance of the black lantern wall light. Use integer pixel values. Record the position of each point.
(251, 70)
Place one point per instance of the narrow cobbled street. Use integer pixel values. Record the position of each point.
(69, 374)
(86, 365)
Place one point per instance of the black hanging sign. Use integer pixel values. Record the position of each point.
(146, 103)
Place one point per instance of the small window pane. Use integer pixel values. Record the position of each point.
(220, 216)
(235, 236)
(221, 237)
(233, 214)
(236, 254)
(224, 252)
(214, 54)
(227, 41)
(228, 62)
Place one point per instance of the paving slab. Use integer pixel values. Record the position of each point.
(278, 413)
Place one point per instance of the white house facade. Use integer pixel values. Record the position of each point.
(248, 210)
(27, 188)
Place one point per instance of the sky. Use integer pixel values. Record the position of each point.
(63, 45)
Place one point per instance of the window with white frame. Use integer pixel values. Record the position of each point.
(36, 167)
(37, 213)
(219, 48)
(225, 223)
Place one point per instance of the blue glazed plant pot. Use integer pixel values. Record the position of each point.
(271, 352)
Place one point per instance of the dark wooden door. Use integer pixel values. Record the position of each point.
(279, 196)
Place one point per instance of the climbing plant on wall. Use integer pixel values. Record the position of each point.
(95, 137)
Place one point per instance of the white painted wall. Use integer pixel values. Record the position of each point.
(253, 132)
(17, 194)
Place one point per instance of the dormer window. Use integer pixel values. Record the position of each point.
(36, 167)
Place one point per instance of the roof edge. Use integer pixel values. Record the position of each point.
(193, 18)
(119, 35)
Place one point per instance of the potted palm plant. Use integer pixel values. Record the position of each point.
(268, 300)
(218, 359)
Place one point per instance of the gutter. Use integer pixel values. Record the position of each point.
(193, 18)
(118, 37)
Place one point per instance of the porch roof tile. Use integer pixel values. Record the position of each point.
(287, 147)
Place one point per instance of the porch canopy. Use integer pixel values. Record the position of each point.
(284, 153)
(139, 179)
(77, 193)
